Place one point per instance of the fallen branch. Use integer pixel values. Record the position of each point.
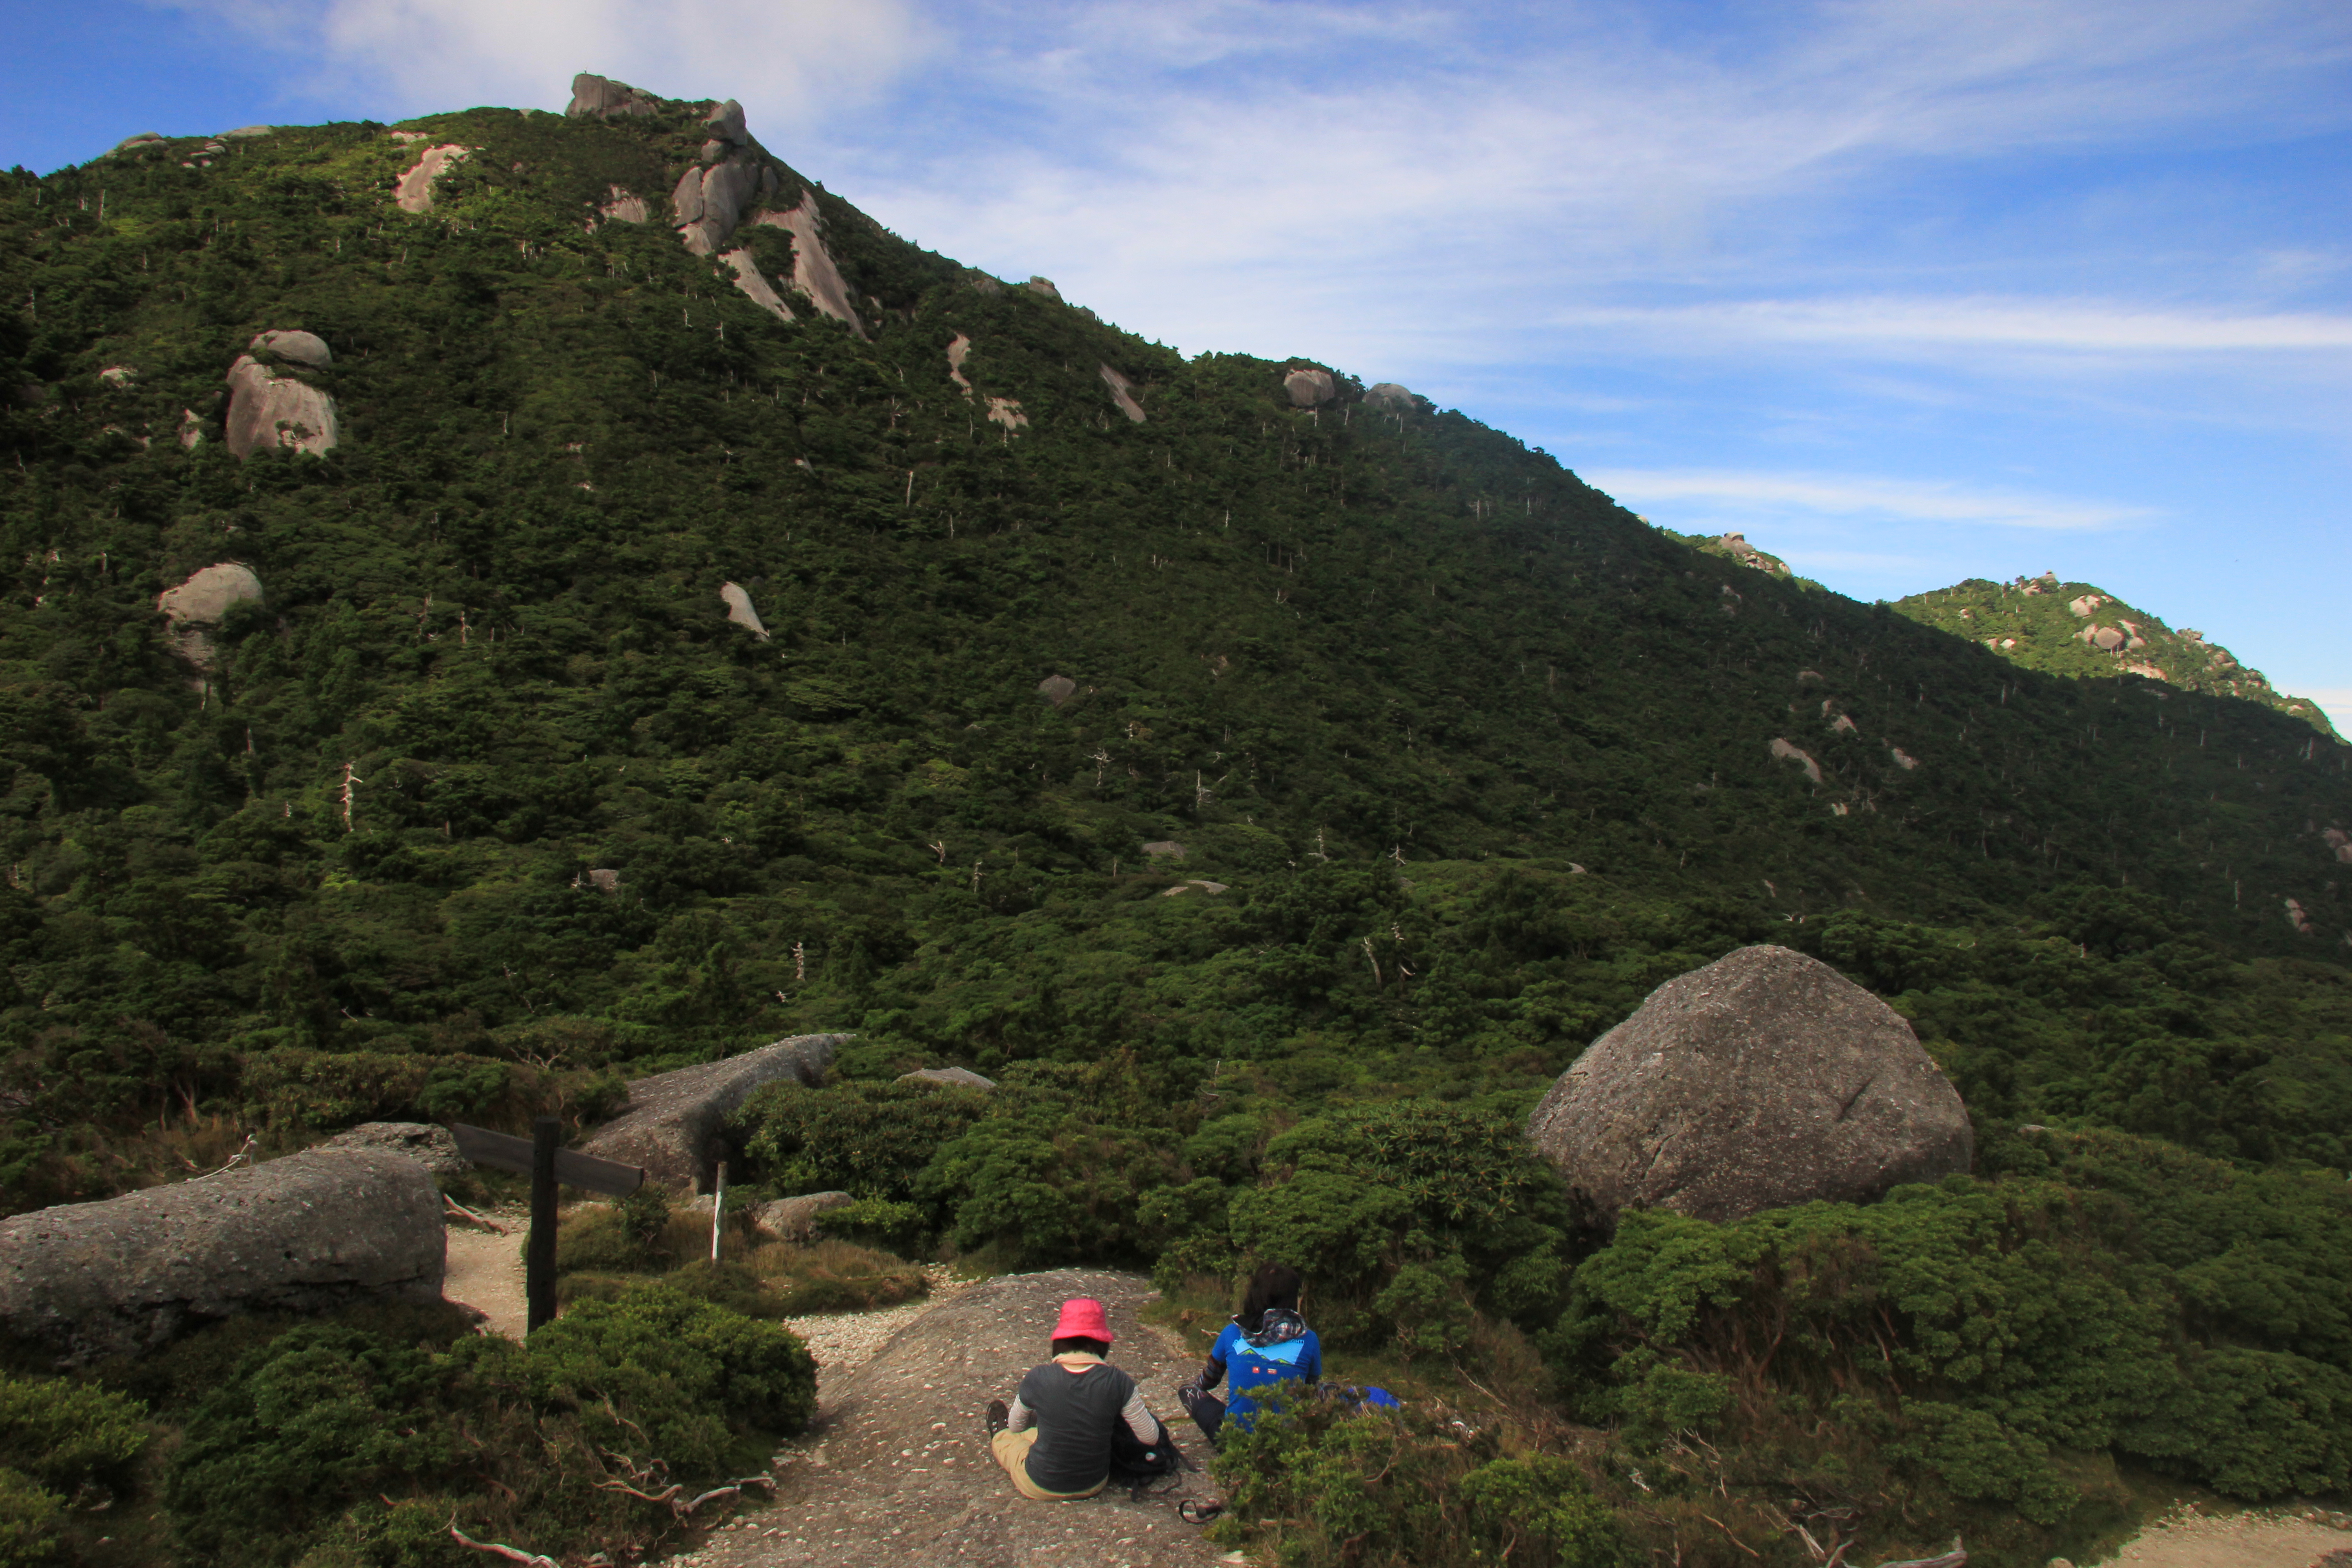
(1734, 1539)
(730, 1489)
(664, 1495)
(239, 1158)
(470, 1217)
(529, 1559)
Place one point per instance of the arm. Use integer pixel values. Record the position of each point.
(1017, 1416)
(1211, 1374)
(1139, 1420)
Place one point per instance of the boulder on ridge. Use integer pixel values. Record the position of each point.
(1389, 396)
(602, 98)
(312, 1232)
(1765, 1079)
(676, 1124)
(196, 607)
(1309, 387)
(267, 410)
(302, 347)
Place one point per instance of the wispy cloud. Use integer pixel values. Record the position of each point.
(2087, 326)
(1846, 496)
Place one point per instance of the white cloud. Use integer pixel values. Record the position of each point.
(1900, 501)
(800, 57)
(2089, 326)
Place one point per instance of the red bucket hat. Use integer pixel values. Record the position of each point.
(1082, 1318)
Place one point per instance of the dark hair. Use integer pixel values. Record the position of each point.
(1080, 1344)
(1275, 1285)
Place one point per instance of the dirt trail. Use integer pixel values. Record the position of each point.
(896, 1467)
(2231, 1541)
(485, 1272)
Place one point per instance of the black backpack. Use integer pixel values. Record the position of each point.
(1137, 1465)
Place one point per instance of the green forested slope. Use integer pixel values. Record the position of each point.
(2073, 629)
(1476, 757)
(1317, 648)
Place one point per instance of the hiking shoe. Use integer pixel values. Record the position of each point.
(998, 1416)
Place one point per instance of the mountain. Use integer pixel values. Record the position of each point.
(2077, 629)
(509, 601)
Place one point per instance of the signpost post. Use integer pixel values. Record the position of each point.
(548, 1164)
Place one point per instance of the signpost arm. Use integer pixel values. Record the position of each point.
(538, 1254)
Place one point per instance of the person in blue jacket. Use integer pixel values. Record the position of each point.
(1266, 1343)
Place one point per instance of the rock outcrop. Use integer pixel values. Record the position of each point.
(794, 1219)
(1167, 847)
(308, 1233)
(740, 610)
(1007, 411)
(601, 98)
(269, 409)
(294, 346)
(431, 1147)
(1389, 396)
(952, 1078)
(1310, 388)
(675, 1122)
(1043, 289)
(625, 206)
(814, 273)
(958, 350)
(1786, 752)
(1057, 689)
(1122, 391)
(755, 285)
(196, 607)
(415, 192)
(1764, 1080)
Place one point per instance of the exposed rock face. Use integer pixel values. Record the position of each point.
(431, 1147)
(2297, 919)
(754, 284)
(2339, 844)
(957, 352)
(268, 410)
(191, 429)
(1057, 689)
(415, 192)
(1007, 411)
(1902, 759)
(602, 98)
(1784, 751)
(1167, 847)
(954, 1078)
(605, 879)
(814, 273)
(676, 1124)
(1764, 1080)
(709, 202)
(726, 122)
(130, 144)
(1195, 885)
(794, 1219)
(301, 348)
(1737, 546)
(1389, 396)
(1122, 391)
(118, 375)
(1043, 289)
(2085, 604)
(243, 132)
(740, 610)
(308, 1233)
(1310, 388)
(196, 607)
(624, 207)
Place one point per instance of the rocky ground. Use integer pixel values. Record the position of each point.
(2188, 1539)
(898, 1468)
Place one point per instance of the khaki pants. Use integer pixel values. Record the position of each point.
(1012, 1451)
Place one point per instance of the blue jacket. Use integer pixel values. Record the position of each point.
(1284, 1349)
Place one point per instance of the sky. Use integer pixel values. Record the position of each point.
(1907, 291)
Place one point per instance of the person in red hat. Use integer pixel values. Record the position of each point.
(1055, 1438)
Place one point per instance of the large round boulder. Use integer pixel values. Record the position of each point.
(312, 1232)
(1764, 1080)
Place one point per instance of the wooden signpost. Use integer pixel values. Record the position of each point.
(548, 1164)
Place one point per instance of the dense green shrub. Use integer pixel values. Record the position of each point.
(56, 1437)
(1319, 1483)
(316, 1426)
(1980, 1337)
(869, 1140)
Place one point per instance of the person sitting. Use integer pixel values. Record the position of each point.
(1267, 1344)
(1056, 1437)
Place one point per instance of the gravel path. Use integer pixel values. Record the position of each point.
(485, 1272)
(896, 1467)
(2268, 1539)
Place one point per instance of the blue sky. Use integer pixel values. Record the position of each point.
(1907, 290)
